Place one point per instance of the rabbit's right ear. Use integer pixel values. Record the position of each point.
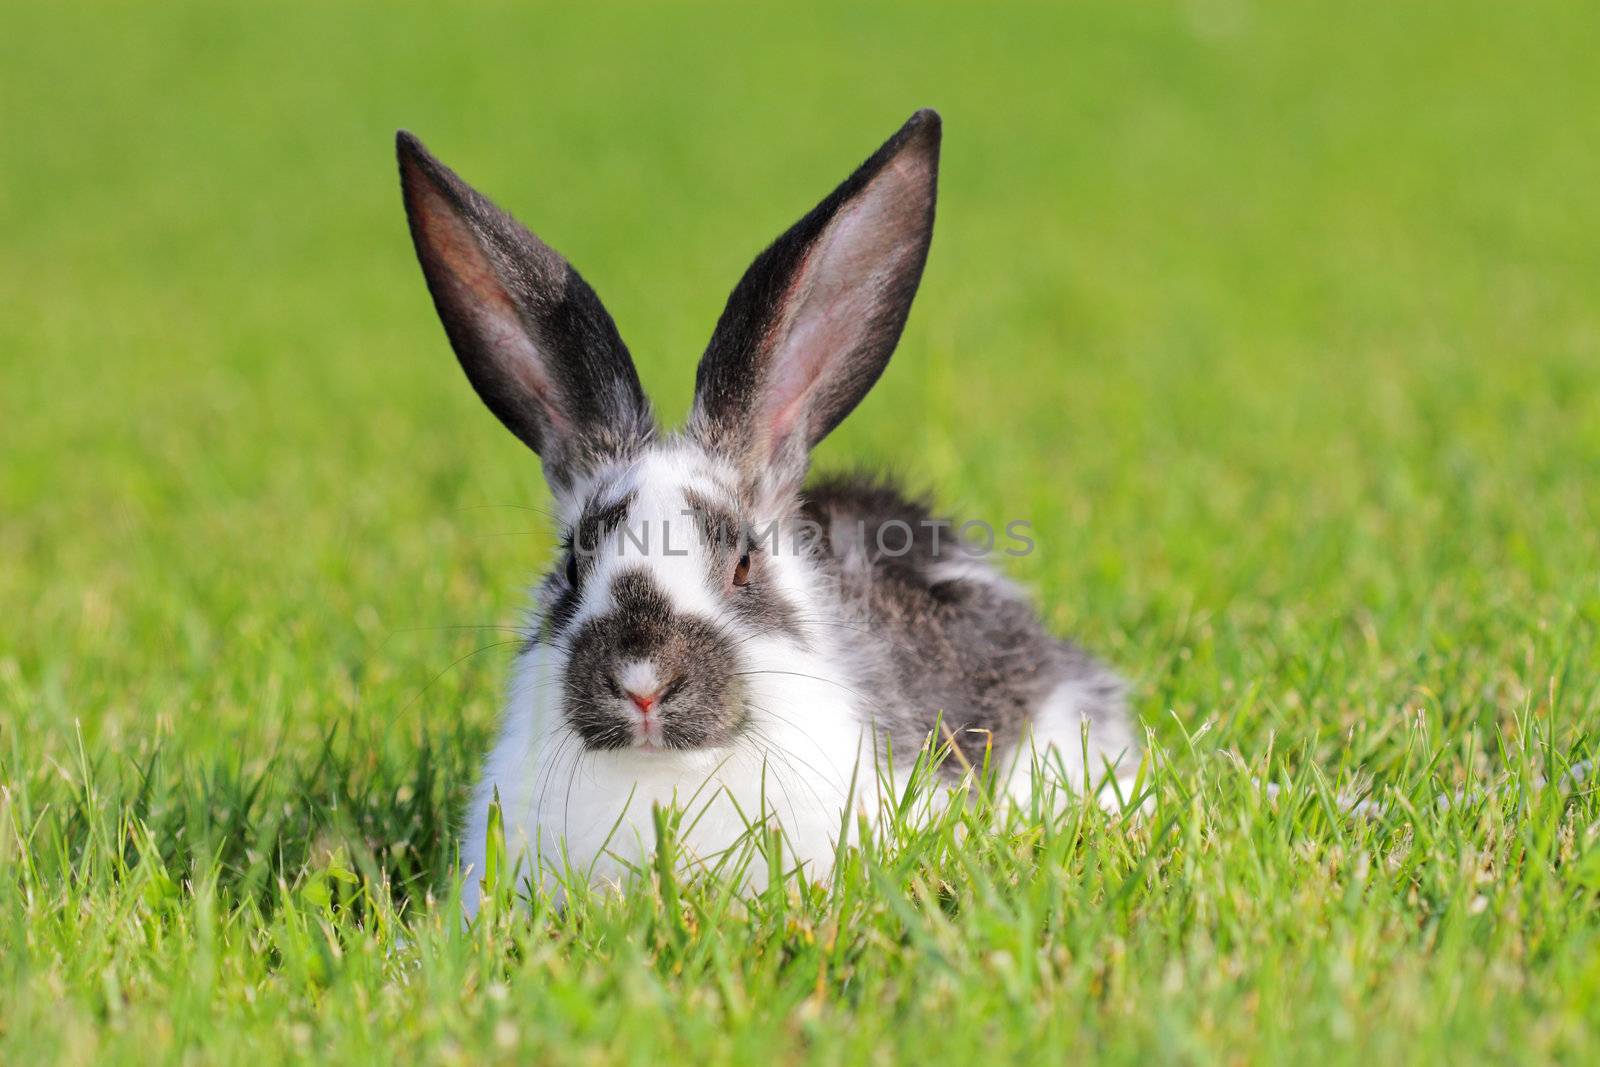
(535, 341)
(811, 325)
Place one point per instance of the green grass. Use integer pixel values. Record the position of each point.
(1280, 323)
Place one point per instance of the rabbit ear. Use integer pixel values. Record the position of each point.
(535, 341)
(811, 325)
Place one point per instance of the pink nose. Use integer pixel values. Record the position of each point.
(645, 702)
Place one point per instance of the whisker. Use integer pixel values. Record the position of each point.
(789, 759)
(452, 666)
(546, 512)
(777, 779)
(815, 678)
(789, 754)
(501, 627)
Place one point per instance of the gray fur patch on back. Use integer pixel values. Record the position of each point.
(940, 637)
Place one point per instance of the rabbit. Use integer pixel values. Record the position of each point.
(717, 633)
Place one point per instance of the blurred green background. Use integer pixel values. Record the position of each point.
(1280, 323)
(1262, 319)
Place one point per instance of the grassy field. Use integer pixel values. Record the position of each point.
(1280, 323)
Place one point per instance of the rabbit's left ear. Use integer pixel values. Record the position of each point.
(811, 325)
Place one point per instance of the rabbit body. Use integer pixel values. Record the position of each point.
(720, 638)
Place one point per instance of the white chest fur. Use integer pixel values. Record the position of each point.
(569, 812)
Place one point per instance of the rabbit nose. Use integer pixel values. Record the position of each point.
(645, 702)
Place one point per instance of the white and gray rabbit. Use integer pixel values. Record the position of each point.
(717, 633)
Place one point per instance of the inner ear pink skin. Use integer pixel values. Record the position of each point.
(476, 288)
(838, 294)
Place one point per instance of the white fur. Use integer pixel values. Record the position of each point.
(806, 748)
(563, 805)
(1060, 737)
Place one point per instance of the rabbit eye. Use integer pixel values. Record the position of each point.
(572, 569)
(741, 572)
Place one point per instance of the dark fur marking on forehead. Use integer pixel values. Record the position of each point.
(599, 521)
(719, 524)
(758, 604)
